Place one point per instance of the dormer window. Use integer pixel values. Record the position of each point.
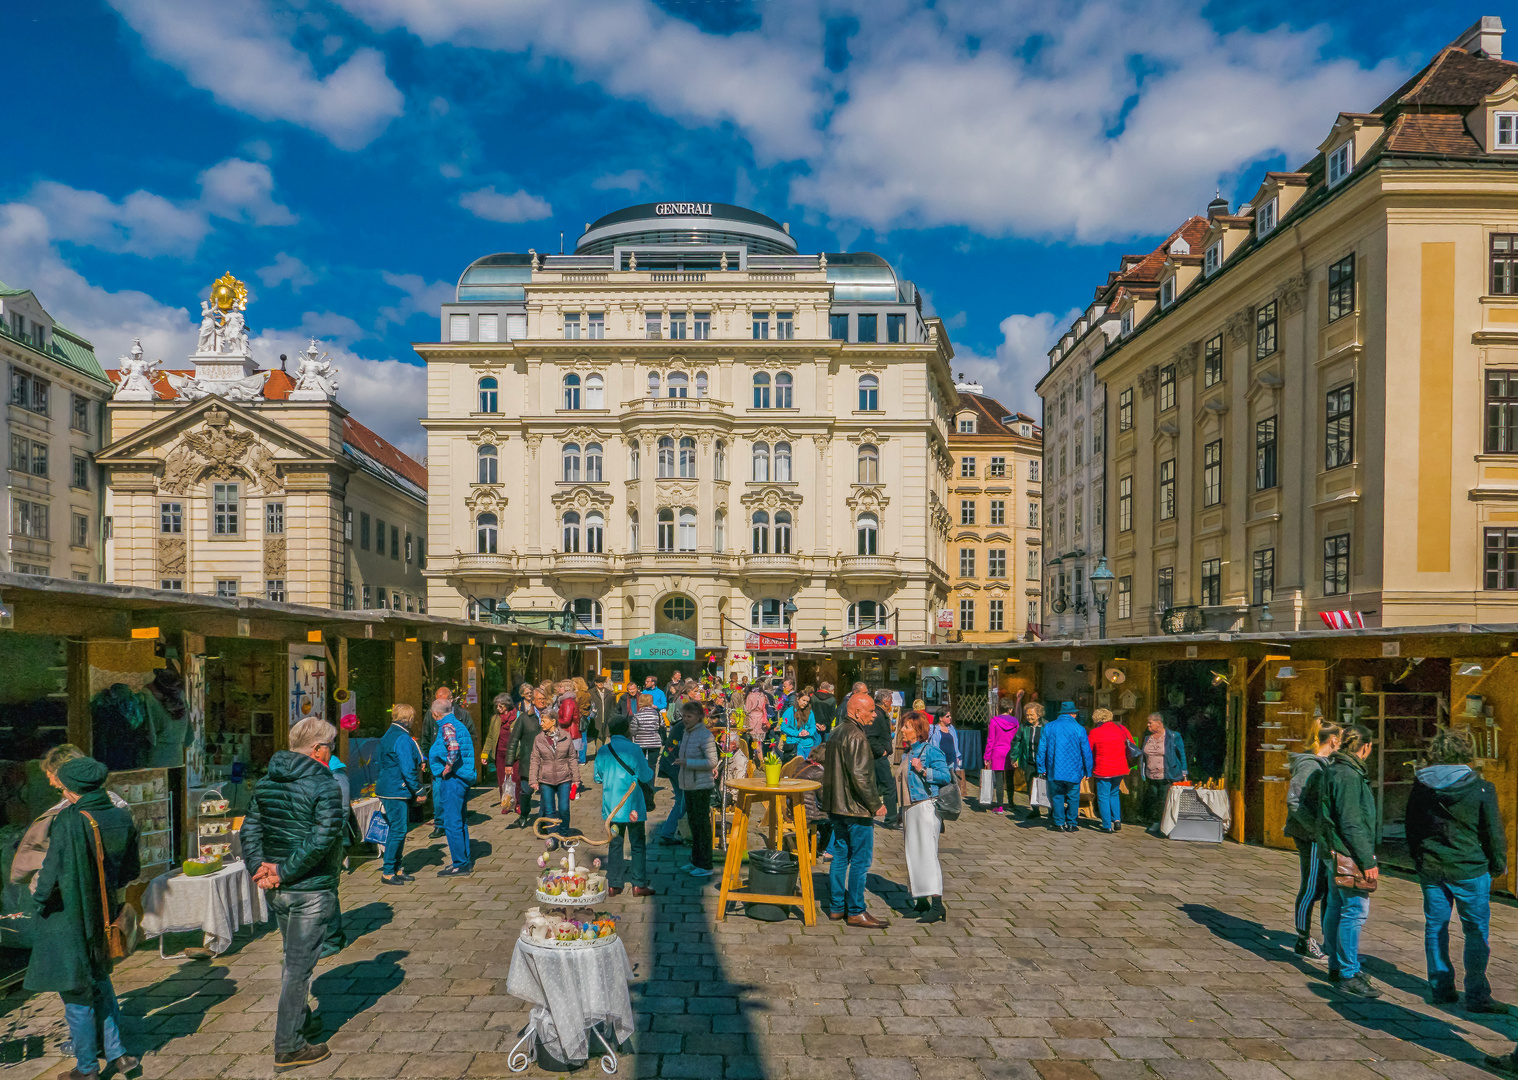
(1505, 128)
(967, 425)
(1265, 217)
(1167, 292)
(1214, 258)
(1126, 323)
(1338, 163)
(1179, 246)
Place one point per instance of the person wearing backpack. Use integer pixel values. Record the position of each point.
(922, 772)
(1312, 886)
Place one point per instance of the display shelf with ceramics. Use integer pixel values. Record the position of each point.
(146, 792)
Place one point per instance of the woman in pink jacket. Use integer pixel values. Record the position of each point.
(756, 711)
(999, 736)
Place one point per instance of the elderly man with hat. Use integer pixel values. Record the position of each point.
(91, 854)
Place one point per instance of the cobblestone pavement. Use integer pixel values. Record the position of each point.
(1065, 957)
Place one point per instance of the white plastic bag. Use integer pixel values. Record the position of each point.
(985, 787)
(1038, 793)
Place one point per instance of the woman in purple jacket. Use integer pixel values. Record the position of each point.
(999, 736)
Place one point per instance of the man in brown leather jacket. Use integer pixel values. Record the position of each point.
(850, 799)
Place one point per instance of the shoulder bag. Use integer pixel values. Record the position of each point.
(948, 801)
(120, 933)
(647, 789)
(1348, 876)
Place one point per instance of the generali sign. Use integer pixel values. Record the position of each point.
(683, 209)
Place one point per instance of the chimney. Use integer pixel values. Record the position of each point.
(1484, 38)
(1217, 207)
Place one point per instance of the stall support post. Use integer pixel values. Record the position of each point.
(80, 724)
(342, 683)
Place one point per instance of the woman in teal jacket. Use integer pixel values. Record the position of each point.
(620, 769)
(798, 728)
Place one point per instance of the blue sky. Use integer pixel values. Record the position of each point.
(348, 159)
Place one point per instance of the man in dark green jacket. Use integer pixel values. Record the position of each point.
(69, 954)
(293, 837)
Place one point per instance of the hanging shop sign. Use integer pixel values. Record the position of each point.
(661, 647)
(770, 641)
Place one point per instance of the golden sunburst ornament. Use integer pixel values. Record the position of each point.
(228, 293)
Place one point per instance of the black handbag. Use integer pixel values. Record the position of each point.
(949, 802)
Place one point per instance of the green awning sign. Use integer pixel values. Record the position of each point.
(661, 647)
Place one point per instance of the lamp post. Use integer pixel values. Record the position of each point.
(1101, 588)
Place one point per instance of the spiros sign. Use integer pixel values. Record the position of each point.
(683, 209)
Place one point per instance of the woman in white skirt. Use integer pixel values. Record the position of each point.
(923, 771)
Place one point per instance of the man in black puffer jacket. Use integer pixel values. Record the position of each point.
(293, 839)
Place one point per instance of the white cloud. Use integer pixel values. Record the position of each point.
(421, 297)
(492, 205)
(236, 50)
(243, 191)
(1010, 374)
(631, 180)
(286, 268)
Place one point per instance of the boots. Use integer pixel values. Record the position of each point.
(935, 911)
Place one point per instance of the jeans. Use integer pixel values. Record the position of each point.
(437, 803)
(1109, 803)
(303, 919)
(671, 825)
(885, 783)
(698, 811)
(1312, 889)
(94, 1021)
(395, 844)
(1473, 900)
(555, 799)
(1064, 802)
(580, 749)
(455, 790)
(637, 840)
(524, 791)
(853, 849)
(1347, 912)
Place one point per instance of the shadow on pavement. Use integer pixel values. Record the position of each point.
(367, 919)
(173, 1006)
(346, 990)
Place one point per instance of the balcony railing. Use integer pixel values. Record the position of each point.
(1188, 619)
(867, 566)
(770, 565)
(676, 404)
(484, 563)
(677, 275)
(585, 564)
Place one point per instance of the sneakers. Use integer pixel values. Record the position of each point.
(697, 872)
(306, 1055)
(394, 879)
(1309, 948)
(687, 868)
(1359, 986)
(642, 890)
(998, 809)
(457, 870)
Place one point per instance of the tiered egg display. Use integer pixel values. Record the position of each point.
(568, 928)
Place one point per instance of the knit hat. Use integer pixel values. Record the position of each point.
(82, 775)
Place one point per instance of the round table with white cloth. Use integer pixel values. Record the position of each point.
(218, 904)
(572, 989)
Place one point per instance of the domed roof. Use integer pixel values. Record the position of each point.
(502, 276)
(686, 223)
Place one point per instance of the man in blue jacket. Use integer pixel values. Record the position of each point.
(1064, 758)
(452, 761)
(398, 783)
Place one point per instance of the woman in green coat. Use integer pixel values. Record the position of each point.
(1025, 750)
(70, 955)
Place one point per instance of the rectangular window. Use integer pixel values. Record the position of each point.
(421, 560)
(868, 331)
(896, 329)
(572, 327)
(1501, 412)
(1164, 588)
(81, 531)
(171, 518)
(226, 586)
(490, 327)
(368, 597)
(653, 325)
(677, 326)
(173, 584)
(1125, 410)
(1125, 597)
(408, 547)
(1336, 565)
(967, 467)
(21, 453)
(967, 614)
(997, 467)
(363, 531)
(967, 425)
(838, 327)
(967, 562)
(395, 542)
(274, 590)
(1214, 258)
(1504, 264)
(39, 459)
(379, 536)
(1212, 473)
(1167, 489)
(998, 511)
(785, 325)
(1125, 504)
(1339, 429)
(274, 518)
(1265, 218)
(348, 597)
(1033, 469)
(1341, 288)
(1263, 583)
(348, 525)
(458, 329)
(595, 324)
(226, 519)
(996, 563)
(996, 615)
(967, 511)
(1096, 504)
(80, 419)
(1507, 130)
(1265, 454)
(1338, 163)
(1033, 515)
(761, 326)
(1502, 558)
(1212, 361)
(1033, 564)
(29, 392)
(1212, 582)
(1125, 323)
(1265, 331)
(1167, 292)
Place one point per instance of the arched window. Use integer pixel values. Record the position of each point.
(783, 386)
(489, 394)
(782, 463)
(868, 534)
(688, 458)
(761, 461)
(632, 530)
(783, 533)
(571, 391)
(688, 529)
(869, 464)
(593, 471)
(678, 385)
(634, 461)
(701, 384)
(595, 393)
(653, 384)
(666, 530)
(761, 539)
(761, 390)
(765, 614)
(719, 532)
(489, 474)
(866, 615)
(719, 461)
(595, 533)
(571, 532)
(571, 463)
(666, 457)
(485, 534)
(869, 393)
(587, 613)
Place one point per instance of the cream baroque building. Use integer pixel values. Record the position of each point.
(684, 425)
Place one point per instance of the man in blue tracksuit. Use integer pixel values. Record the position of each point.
(1064, 758)
(452, 762)
(398, 783)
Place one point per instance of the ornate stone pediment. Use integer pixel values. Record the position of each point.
(867, 497)
(868, 435)
(770, 497)
(1293, 293)
(582, 497)
(485, 498)
(771, 435)
(219, 452)
(769, 363)
(677, 493)
(581, 435)
(487, 437)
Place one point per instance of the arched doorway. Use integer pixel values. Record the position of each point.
(676, 614)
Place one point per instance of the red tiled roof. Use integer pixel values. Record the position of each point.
(988, 413)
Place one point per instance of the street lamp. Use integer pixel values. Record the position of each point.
(1101, 588)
